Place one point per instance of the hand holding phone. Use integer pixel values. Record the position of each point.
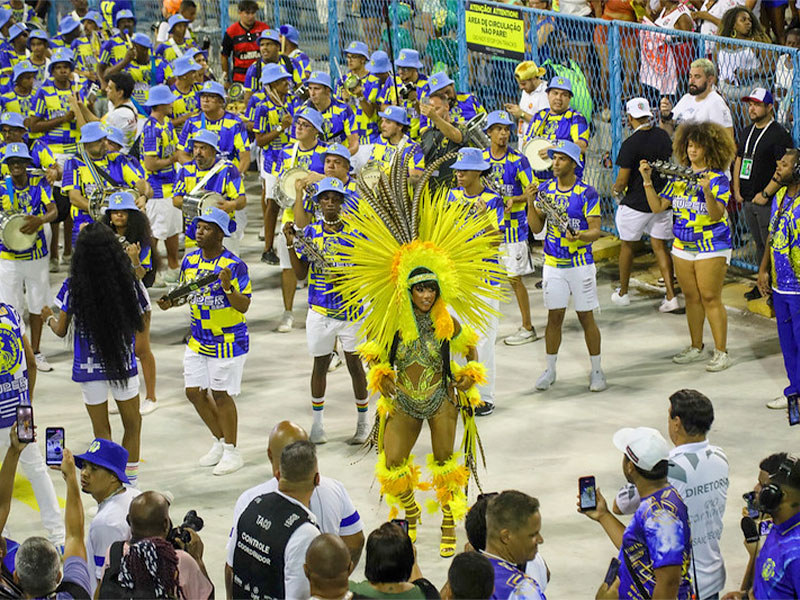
(587, 492)
(54, 445)
(403, 523)
(25, 424)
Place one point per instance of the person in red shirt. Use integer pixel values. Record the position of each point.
(241, 41)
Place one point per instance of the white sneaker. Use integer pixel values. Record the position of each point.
(545, 380)
(230, 462)
(779, 403)
(597, 382)
(317, 435)
(66, 259)
(522, 336)
(336, 362)
(688, 355)
(41, 363)
(668, 306)
(54, 265)
(287, 320)
(719, 361)
(620, 300)
(147, 406)
(213, 456)
(361, 435)
(159, 281)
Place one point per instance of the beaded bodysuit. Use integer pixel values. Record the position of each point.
(420, 396)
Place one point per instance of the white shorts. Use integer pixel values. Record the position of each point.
(282, 250)
(96, 392)
(144, 297)
(578, 282)
(216, 374)
(516, 258)
(165, 219)
(322, 331)
(34, 275)
(692, 256)
(632, 223)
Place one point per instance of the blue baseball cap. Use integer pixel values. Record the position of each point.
(498, 117)
(15, 31)
(94, 16)
(5, 15)
(213, 87)
(67, 25)
(160, 94)
(438, 81)
(470, 159)
(92, 132)
(759, 94)
(568, 148)
(106, 454)
(114, 134)
(272, 73)
(122, 201)
(142, 40)
(290, 33)
(123, 14)
(408, 58)
(12, 119)
(338, 149)
(16, 150)
(38, 34)
(359, 48)
(219, 217)
(22, 67)
(183, 65)
(560, 83)
(176, 19)
(329, 184)
(320, 78)
(207, 136)
(311, 115)
(396, 114)
(59, 56)
(379, 62)
(271, 35)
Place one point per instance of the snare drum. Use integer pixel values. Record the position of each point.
(286, 193)
(13, 238)
(531, 150)
(371, 174)
(193, 206)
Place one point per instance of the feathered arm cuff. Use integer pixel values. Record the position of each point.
(467, 338)
(477, 373)
(370, 351)
(376, 375)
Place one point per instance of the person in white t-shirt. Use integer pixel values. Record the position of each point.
(699, 471)
(330, 502)
(701, 104)
(103, 477)
(533, 95)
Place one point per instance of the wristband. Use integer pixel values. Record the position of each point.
(647, 184)
(228, 291)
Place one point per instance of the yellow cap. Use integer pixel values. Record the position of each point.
(528, 70)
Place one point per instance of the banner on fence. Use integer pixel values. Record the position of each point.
(496, 30)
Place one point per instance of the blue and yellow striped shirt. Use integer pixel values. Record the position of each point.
(30, 200)
(693, 229)
(230, 129)
(185, 104)
(51, 102)
(160, 141)
(383, 153)
(784, 243)
(581, 202)
(337, 121)
(513, 172)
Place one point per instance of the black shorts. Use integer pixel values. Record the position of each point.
(62, 203)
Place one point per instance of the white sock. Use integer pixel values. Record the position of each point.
(551, 362)
(318, 405)
(362, 411)
(596, 363)
(228, 448)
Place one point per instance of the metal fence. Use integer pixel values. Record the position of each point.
(608, 62)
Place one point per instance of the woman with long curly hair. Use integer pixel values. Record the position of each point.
(100, 299)
(133, 230)
(702, 247)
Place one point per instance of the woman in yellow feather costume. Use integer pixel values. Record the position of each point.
(420, 258)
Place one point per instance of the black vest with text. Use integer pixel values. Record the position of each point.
(263, 531)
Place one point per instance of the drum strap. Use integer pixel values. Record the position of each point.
(542, 124)
(10, 189)
(295, 150)
(214, 170)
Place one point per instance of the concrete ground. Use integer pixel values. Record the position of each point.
(537, 442)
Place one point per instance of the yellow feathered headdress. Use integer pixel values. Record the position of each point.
(400, 233)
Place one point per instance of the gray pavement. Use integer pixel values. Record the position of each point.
(539, 443)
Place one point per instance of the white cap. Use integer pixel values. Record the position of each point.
(644, 446)
(638, 108)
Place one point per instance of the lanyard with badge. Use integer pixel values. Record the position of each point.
(747, 160)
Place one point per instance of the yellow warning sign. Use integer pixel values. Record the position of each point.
(497, 30)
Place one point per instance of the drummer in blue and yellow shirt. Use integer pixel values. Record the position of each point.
(394, 138)
(569, 268)
(559, 122)
(338, 123)
(463, 107)
(349, 89)
(327, 318)
(119, 44)
(409, 74)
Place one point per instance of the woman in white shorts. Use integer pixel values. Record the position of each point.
(101, 297)
(702, 247)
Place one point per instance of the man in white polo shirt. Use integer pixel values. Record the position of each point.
(330, 501)
(103, 477)
(699, 471)
(702, 103)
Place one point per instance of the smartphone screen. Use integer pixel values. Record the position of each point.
(794, 410)
(403, 523)
(25, 423)
(750, 500)
(54, 445)
(611, 574)
(587, 493)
